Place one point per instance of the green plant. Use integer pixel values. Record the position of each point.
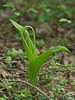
(72, 36)
(34, 62)
(32, 9)
(66, 10)
(14, 10)
(68, 93)
(2, 85)
(26, 93)
(0, 66)
(73, 83)
(40, 43)
(3, 55)
(12, 53)
(65, 20)
(13, 35)
(23, 94)
(20, 51)
(70, 67)
(52, 95)
(63, 81)
(41, 97)
(64, 41)
(8, 4)
(58, 89)
(5, 98)
(11, 75)
(53, 63)
(50, 85)
(8, 59)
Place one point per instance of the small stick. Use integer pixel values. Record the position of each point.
(5, 86)
(55, 71)
(33, 87)
(14, 70)
(39, 73)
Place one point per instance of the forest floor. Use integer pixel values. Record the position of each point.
(57, 75)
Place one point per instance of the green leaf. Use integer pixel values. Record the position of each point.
(68, 93)
(13, 53)
(13, 9)
(28, 45)
(1, 92)
(65, 20)
(51, 77)
(0, 66)
(19, 27)
(20, 51)
(10, 75)
(73, 83)
(8, 59)
(8, 4)
(35, 65)
(33, 10)
(70, 68)
(69, 21)
(58, 88)
(54, 89)
(17, 13)
(2, 85)
(52, 95)
(47, 10)
(63, 92)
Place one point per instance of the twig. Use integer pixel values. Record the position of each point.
(32, 86)
(14, 70)
(1, 89)
(39, 73)
(56, 71)
(5, 86)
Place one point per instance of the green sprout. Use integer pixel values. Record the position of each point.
(65, 20)
(34, 62)
(73, 83)
(8, 59)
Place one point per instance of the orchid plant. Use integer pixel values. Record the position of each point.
(35, 62)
